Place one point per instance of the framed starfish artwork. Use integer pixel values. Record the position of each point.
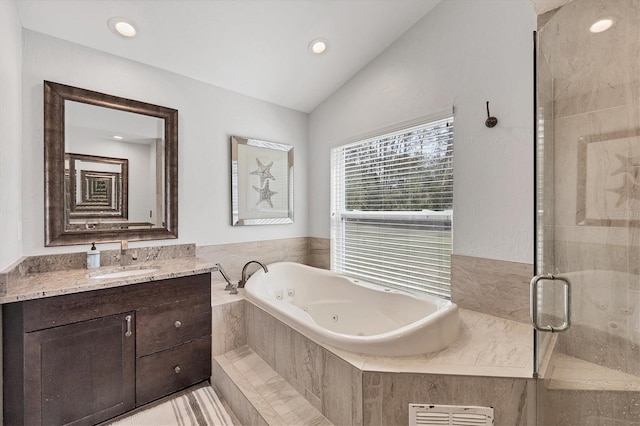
(609, 181)
(261, 182)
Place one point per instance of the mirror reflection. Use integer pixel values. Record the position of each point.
(111, 168)
(95, 187)
(114, 161)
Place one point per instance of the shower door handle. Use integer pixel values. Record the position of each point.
(566, 323)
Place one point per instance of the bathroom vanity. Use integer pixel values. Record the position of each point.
(89, 356)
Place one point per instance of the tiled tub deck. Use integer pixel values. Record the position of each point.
(489, 365)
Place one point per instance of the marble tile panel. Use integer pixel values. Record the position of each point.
(303, 415)
(574, 373)
(228, 327)
(341, 391)
(634, 257)
(589, 408)
(386, 396)
(578, 256)
(234, 256)
(327, 382)
(634, 318)
(585, 64)
(284, 359)
(495, 287)
(269, 393)
(299, 360)
(601, 348)
(227, 386)
(604, 98)
(603, 235)
(260, 328)
(319, 252)
(600, 302)
(289, 347)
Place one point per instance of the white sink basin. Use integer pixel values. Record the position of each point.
(124, 274)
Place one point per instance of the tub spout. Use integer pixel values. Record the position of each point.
(243, 281)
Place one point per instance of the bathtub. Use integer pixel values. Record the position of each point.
(351, 314)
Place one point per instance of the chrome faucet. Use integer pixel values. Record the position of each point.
(243, 281)
(226, 277)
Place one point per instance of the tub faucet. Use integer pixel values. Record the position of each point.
(243, 281)
(226, 277)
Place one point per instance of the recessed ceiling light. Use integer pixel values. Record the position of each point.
(121, 26)
(117, 137)
(601, 25)
(318, 46)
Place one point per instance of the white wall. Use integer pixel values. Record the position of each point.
(462, 54)
(208, 115)
(10, 133)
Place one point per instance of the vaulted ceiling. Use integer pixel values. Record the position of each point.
(255, 47)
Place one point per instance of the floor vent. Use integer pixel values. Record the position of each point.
(449, 415)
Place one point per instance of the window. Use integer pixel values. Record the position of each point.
(392, 208)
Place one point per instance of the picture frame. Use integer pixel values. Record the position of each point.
(609, 180)
(261, 182)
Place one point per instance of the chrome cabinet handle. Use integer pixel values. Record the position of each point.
(177, 369)
(128, 321)
(534, 304)
(177, 324)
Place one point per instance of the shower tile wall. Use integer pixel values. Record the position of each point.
(597, 106)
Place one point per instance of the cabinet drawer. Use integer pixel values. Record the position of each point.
(168, 371)
(164, 326)
(55, 311)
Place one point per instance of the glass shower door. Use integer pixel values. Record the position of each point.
(588, 214)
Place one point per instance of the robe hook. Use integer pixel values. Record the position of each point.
(490, 121)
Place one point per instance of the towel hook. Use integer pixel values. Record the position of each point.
(490, 121)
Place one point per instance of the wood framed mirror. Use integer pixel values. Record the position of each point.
(123, 157)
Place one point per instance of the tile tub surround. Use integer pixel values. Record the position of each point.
(35, 285)
(386, 396)
(491, 352)
(232, 257)
(228, 331)
(494, 287)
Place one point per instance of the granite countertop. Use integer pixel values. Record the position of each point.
(55, 283)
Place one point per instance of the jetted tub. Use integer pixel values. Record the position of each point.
(351, 314)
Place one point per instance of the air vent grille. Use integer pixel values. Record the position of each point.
(449, 415)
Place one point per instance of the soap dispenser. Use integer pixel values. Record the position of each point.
(93, 257)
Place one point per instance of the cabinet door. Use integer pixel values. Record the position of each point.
(81, 373)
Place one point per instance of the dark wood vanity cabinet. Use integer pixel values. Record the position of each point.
(173, 345)
(82, 372)
(87, 357)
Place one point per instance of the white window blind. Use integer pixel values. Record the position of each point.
(392, 208)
